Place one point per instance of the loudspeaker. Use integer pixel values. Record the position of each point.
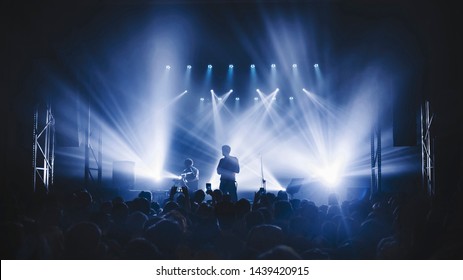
(67, 122)
(123, 175)
(405, 129)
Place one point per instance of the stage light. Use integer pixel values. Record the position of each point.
(220, 98)
(315, 65)
(273, 65)
(188, 66)
(294, 65)
(168, 67)
(237, 98)
(212, 91)
(230, 66)
(201, 99)
(256, 98)
(329, 176)
(274, 98)
(253, 66)
(291, 98)
(209, 66)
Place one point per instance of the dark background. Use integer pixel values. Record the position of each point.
(36, 37)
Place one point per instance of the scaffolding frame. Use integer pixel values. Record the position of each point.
(43, 148)
(427, 149)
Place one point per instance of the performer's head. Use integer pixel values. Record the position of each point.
(226, 150)
(188, 162)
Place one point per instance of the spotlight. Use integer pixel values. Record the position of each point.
(273, 65)
(201, 99)
(291, 98)
(256, 98)
(220, 98)
(231, 90)
(315, 65)
(209, 66)
(188, 66)
(274, 98)
(237, 98)
(253, 66)
(294, 65)
(212, 91)
(230, 66)
(168, 67)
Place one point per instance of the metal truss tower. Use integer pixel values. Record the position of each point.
(427, 149)
(375, 160)
(43, 148)
(93, 159)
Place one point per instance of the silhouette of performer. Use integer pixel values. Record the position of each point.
(190, 175)
(227, 169)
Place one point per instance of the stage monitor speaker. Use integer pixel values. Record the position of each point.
(123, 175)
(294, 186)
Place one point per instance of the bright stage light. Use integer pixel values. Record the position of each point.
(291, 98)
(315, 65)
(201, 99)
(209, 66)
(188, 66)
(168, 67)
(253, 66)
(230, 66)
(220, 98)
(237, 98)
(256, 98)
(273, 65)
(294, 65)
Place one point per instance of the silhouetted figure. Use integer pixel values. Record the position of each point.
(141, 249)
(190, 175)
(82, 242)
(227, 168)
(280, 252)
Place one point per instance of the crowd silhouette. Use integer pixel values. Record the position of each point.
(200, 225)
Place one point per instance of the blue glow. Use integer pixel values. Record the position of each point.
(150, 123)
